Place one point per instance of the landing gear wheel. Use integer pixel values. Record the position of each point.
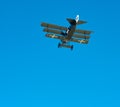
(72, 47)
(59, 44)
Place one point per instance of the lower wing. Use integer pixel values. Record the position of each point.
(55, 36)
(63, 38)
(79, 41)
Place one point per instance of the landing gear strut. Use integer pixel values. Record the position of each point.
(65, 45)
(59, 45)
(71, 47)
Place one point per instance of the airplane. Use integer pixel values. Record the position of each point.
(66, 35)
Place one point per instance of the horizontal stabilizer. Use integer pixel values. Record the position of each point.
(73, 21)
(81, 22)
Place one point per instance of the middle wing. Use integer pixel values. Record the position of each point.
(53, 26)
(81, 36)
(55, 31)
(83, 31)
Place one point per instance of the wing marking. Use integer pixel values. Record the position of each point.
(55, 36)
(79, 41)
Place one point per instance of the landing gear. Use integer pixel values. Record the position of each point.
(71, 47)
(59, 45)
(65, 45)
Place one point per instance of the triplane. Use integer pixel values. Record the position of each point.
(66, 35)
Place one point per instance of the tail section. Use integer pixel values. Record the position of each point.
(71, 21)
(75, 21)
(77, 18)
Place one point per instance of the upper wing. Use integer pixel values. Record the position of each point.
(53, 26)
(83, 31)
(81, 36)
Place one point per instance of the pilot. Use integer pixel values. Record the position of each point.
(68, 29)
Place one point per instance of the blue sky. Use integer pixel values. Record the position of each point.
(35, 73)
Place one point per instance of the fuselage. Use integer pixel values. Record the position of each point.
(71, 31)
